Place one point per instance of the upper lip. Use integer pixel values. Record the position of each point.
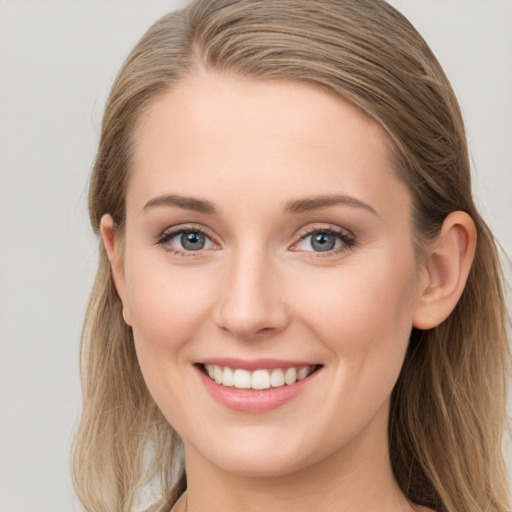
(255, 364)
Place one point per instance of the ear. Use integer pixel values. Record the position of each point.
(114, 248)
(445, 270)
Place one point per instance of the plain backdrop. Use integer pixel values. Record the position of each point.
(57, 61)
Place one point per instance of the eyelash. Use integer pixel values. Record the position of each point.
(167, 236)
(348, 240)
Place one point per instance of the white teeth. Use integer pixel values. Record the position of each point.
(302, 373)
(258, 379)
(242, 379)
(277, 378)
(227, 377)
(290, 376)
(217, 374)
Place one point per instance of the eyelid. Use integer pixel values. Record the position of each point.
(309, 229)
(347, 238)
(170, 232)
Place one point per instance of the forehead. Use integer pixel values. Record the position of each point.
(212, 105)
(216, 134)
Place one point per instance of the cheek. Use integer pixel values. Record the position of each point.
(167, 306)
(164, 302)
(364, 317)
(364, 311)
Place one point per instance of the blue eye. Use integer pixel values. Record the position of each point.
(186, 240)
(324, 240)
(192, 241)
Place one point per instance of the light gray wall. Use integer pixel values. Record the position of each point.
(57, 60)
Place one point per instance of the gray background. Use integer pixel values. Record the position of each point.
(57, 61)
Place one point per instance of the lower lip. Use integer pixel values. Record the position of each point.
(254, 401)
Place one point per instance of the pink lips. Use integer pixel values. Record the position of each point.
(250, 400)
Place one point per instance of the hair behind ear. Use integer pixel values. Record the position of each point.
(449, 404)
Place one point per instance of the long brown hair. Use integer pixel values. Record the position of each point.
(448, 406)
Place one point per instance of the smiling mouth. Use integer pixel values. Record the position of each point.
(258, 379)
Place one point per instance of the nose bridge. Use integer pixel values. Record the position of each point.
(251, 304)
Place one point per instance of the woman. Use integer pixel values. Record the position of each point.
(298, 306)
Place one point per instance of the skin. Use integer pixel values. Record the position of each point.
(259, 290)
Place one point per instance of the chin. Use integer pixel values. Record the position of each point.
(258, 454)
(260, 467)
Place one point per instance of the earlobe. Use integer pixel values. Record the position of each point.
(445, 271)
(113, 247)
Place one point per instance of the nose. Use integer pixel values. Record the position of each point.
(252, 301)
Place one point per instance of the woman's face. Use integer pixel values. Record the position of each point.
(268, 243)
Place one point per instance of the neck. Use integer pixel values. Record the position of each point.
(358, 477)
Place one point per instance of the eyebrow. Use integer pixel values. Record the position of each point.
(318, 202)
(295, 206)
(187, 203)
